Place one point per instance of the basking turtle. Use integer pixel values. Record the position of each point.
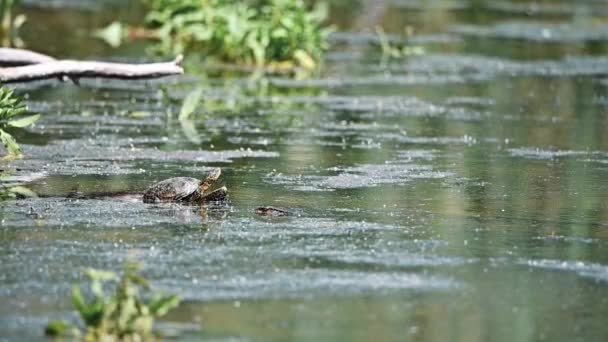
(186, 189)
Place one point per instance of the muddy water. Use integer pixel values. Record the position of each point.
(458, 195)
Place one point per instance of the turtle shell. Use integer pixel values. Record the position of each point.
(173, 189)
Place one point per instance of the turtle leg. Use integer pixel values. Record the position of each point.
(151, 199)
(194, 197)
(218, 195)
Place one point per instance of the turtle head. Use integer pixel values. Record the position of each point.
(209, 179)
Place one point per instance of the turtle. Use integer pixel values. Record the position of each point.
(271, 211)
(186, 189)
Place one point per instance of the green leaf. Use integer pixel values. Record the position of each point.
(56, 328)
(140, 114)
(78, 299)
(160, 305)
(304, 59)
(190, 104)
(138, 279)
(100, 275)
(24, 122)
(23, 192)
(91, 313)
(128, 310)
(9, 142)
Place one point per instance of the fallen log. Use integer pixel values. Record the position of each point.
(41, 67)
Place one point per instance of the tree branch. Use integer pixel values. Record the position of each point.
(45, 67)
(15, 57)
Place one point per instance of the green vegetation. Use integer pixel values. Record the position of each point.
(397, 50)
(122, 316)
(9, 25)
(272, 33)
(16, 191)
(11, 107)
(190, 104)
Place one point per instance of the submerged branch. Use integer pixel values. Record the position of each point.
(41, 67)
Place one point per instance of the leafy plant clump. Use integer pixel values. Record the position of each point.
(121, 316)
(10, 108)
(270, 33)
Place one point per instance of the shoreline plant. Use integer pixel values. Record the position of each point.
(277, 35)
(121, 316)
(256, 32)
(12, 107)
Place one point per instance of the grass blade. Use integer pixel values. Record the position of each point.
(24, 122)
(9, 142)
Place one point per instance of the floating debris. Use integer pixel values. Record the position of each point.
(271, 211)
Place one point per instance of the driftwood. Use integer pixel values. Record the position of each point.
(40, 67)
(15, 57)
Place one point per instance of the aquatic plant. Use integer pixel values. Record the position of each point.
(272, 33)
(9, 25)
(15, 192)
(190, 104)
(397, 50)
(122, 316)
(11, 106)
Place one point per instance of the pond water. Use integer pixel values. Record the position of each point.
(458, 195)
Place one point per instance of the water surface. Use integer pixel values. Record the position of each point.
(458, 195)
